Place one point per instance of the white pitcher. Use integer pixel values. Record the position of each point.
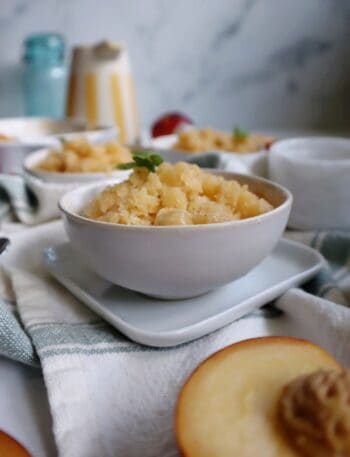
(101, 89)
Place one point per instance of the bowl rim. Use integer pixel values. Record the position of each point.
(215, 226)
(41, 140)
(281, 149)
(55, 175)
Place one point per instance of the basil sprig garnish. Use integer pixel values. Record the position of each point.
(146, 159)
(239, 134)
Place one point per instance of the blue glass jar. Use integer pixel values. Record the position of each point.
(44, 77)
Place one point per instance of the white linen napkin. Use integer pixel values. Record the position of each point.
(110, 397)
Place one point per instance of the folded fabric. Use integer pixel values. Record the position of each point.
(219, 161)
(250, 164)
(14, 341)
(29, 199)
(112, 397)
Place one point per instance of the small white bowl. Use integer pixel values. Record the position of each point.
(317, 172)
(176, 262)
(254, 163)
(32, 133)
(35, 158)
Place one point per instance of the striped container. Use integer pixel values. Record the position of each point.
(101, 89)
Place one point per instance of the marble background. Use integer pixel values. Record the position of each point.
(266, 63)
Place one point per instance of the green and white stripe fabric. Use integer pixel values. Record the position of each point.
(112, 397)
(14, 341)
(28, 199)
(108, 395)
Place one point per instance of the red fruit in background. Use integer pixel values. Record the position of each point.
(170, 123)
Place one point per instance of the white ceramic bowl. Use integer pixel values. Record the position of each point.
(33, 159)
(176, 262)
(30, 134)
(254, 163)
(317, 172)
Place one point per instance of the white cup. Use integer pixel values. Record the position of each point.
(317, 172)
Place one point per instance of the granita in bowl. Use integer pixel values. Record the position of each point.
(78, 160)
(179, 194)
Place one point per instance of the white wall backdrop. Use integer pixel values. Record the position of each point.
(267, 63)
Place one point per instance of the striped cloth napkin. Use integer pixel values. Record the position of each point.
(29, 200)
(108, 395)
(112, 397)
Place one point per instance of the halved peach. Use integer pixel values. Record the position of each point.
(9, 447)
(227, 407)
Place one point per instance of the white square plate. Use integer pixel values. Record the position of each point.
(164, 323)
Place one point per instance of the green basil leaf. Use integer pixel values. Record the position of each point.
(156, 159)
(239, 134)
(146, 159)
(126, 166)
